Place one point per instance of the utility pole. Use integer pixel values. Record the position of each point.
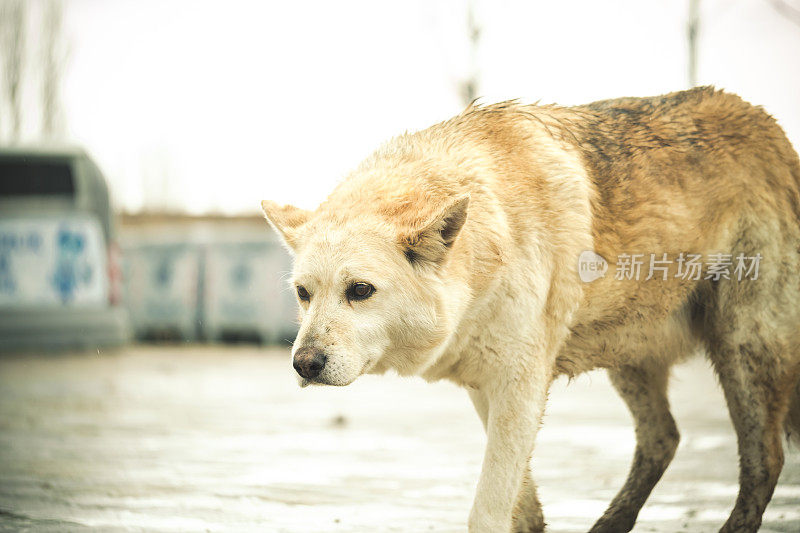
(692, 30)
(469, 87)
(52, 62)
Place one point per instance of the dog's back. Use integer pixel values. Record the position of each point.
(697, 172)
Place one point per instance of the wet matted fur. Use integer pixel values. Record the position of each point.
(466, 238)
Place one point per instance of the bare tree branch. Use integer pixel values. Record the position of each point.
(789, 11)
(12, 48)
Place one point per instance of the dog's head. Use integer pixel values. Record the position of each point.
(371, 286)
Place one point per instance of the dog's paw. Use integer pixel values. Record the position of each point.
(528, 524)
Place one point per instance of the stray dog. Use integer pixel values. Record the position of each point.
(498, 250)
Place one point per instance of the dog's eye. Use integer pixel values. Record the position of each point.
(360, 291)
(302, 293)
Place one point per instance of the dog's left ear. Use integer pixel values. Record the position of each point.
(433, 239)
(286, 220)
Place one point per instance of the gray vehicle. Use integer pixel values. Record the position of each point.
(60, 276)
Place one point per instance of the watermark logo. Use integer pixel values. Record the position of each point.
(686, 266)
(591, 266)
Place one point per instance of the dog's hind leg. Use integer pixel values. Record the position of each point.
(758, 392)
(644, 389)
(528, 517)
(750, 330)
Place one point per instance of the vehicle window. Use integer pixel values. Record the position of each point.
(31, 177)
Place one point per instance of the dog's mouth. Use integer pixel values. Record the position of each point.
(305, 382)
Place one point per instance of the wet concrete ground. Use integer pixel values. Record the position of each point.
(222, 439)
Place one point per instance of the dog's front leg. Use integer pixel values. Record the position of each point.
(515, 406)
(527, 517)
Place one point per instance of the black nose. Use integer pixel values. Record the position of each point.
(309, 363)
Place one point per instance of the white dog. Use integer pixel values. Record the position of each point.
(452, 253)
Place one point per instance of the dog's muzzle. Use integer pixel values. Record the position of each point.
(309, 362)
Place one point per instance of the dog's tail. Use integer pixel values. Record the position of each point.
(792, 422)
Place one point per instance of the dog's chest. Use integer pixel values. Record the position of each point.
(609, 343)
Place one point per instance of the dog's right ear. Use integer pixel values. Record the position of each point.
(285, 219)
(432, 239)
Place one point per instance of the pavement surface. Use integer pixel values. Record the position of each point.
(222, 439)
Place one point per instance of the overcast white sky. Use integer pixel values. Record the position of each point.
(212, 106)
